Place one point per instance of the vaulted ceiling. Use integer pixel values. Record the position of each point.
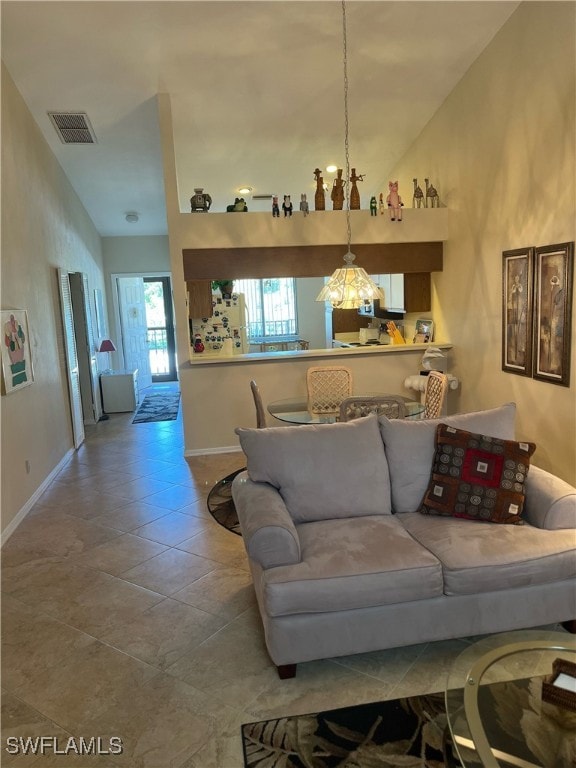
(256, 91)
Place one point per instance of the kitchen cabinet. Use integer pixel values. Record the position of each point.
(406, 293)
(199, 298)
(417, 292)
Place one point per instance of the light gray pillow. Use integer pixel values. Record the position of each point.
(409, 447)
(322, 471)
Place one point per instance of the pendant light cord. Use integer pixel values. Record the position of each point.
(346, 123)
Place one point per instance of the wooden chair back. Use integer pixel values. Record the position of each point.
(260, 412)
(435, 394)
(327, 386)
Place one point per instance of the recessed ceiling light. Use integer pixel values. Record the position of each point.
(245, 190)
(132, 217)
(331, 168)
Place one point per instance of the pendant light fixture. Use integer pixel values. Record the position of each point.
(350, 286)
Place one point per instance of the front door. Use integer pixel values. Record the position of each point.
(160, 328)
(132, 303)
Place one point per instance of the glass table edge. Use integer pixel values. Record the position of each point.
(470, 685)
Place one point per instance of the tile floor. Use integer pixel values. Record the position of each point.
(128, 611)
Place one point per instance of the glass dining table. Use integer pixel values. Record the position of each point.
(295, 410)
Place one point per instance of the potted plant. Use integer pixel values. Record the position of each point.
(226, 287)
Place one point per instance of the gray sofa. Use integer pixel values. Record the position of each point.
(343, 562)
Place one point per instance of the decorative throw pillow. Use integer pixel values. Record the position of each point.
(477, 477)
(409, 448)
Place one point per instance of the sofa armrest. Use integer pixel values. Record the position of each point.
(269, 533)
(550, 502)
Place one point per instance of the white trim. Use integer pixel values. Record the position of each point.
(15, 522)
(204, 451)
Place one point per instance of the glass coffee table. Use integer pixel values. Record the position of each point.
(496, 712)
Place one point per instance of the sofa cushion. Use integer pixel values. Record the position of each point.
(482, 558)
(477, 477)
(322, 471)
(409, 448)
(352, 563)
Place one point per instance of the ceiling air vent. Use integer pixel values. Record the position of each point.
(73, 127)
(262, 197)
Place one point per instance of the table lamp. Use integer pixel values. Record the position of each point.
(107, 345)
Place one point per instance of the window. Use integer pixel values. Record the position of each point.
(271, 307)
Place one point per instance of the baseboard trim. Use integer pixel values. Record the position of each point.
(17, 519)
(205, 451)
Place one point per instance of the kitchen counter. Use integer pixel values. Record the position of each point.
(209, 358)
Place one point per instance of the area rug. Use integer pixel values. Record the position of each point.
(401, 732)
(221, 504)
(157, 407)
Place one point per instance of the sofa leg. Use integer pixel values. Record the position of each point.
(570, 626)
(286, 671)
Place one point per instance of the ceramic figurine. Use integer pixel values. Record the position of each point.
(418, 196)
(304, 207)
(198, 345)
(394, 201)
(319, 197)
(381, 205)
(275, 208)
(239, 205)
(354, 194)
(337, 193)
(287, 206)
(431, 195)
(200, 201)
(373, 206)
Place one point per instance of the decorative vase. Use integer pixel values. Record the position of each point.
(354, 193)
(319, 198)
(337, 193)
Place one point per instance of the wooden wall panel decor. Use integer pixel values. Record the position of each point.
(309, 260)
(199, 298)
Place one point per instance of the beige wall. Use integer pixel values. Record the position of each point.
(135, 254)
(501, 153)
(127, 255)
(44, 226)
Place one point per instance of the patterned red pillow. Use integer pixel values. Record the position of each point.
(477, 477)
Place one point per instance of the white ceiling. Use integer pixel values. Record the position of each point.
(256, 91)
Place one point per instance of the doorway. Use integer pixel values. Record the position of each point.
(160, 328)
(80, 348)
(146, 322)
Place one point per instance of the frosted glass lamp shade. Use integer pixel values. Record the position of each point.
(350, 287)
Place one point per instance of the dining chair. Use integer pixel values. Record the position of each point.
(434, 394)
(260, 412)
(391, 406)
(327, 386)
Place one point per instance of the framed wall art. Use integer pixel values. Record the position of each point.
(16, 358)
(517, 288)
(553, 267)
